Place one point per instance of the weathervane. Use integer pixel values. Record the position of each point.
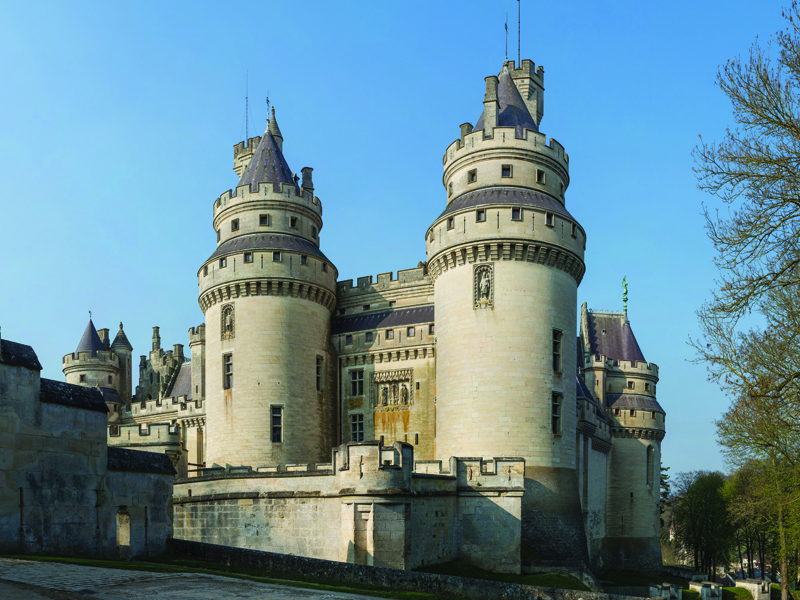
(506, 36)
(267, 106)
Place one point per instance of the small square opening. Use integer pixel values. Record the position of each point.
(348, 340)
(276, 257)
(368, 336)
(235, 225)
(293, 222)
(263, 220)
(248, 257)
(366, 307)
(390, 334)
(549, 220)
(303, 259)
(223, 262)
(480, 215)
(539, 176)
(516, 214)
(451, 223)
(506, 171)
(472, 176)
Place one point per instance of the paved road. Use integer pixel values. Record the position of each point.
(30, 580)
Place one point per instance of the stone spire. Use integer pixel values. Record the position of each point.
(121, 340)
(268, 163)
(275, 130)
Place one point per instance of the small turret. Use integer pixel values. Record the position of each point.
(275, 130)
(123, 349)
(156, 339)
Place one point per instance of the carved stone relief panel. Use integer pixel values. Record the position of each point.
(391, 390)
(228, 322)
(483, 285)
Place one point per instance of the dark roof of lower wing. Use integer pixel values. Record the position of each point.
(183, 382)
(383, 319)
(123, 459)
(506, 195)
(68, 394)
(267, 241)
(18, 355)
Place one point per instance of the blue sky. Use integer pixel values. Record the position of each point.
(117, 122)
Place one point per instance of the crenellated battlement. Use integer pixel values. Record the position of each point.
(504, 138)
(366, 285)
(144, 433)
(627, 367)
(476, 472)
(102, 359)
(197, 335)
(243, 154)
(267, 191)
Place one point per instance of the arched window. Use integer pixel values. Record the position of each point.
(650, 465)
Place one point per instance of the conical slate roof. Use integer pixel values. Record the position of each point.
(90, 342)
(612, 335)
(268, 163)
(513, 111)
(121, 341)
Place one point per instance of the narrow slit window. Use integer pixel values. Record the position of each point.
(227, 371)
(219, 235)
(277, 424)
(556, 350)
(319, 373)
(314, 232)
(556, 413)
(205, 271)
(325, 267)
(357, 428)
(416, 439)
(450, 189)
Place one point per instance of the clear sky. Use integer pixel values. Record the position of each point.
(117, 122)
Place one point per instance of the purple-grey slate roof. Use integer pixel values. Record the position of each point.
(124, 459)
(635, 401)
(183, 382)
(18, 355)
(512, 110)
(612, 335)
(385, 319)
(267, 164)
(68, 394)
(267, 241)
(111, 395)
(90, 341)
(506, 195)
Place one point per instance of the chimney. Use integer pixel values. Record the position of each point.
(178, 350)
(103, 333)
(156, 339)
(490, 106)
(307, 183)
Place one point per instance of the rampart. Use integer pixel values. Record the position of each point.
(367, 506)
(409, 288)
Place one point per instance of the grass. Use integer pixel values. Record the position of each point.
(175, 565)
(638, 579)
(459, 568)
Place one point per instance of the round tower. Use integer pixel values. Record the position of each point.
(93, 364)
(123, 349)
(267, 293)
(507, 258)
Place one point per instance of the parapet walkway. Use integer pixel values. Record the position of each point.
(34, 580)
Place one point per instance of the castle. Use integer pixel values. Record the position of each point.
(463, 408)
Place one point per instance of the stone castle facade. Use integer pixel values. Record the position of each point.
(465, 408)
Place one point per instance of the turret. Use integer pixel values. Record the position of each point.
(93, 364)
(267, 293)
(506, 258)
(123, 349)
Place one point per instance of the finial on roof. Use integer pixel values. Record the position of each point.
(625, 295)
(273, 126)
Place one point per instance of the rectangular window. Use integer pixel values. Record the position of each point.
(616, 412)
(319, 373)
(263, 220)
(574, 230)
(276, 257)
(366, 307)
(223, 262)
(506, 171)
(248, 257)
(314, 232)
(368, 336)
(392, 303)
(549, 220)
(324, 267)
(277, 424)
(472, 176)
(390, 334)
(227, 371)
(516, 214)
(556, 416)
(293, 222)
(646, 387)
(83, 378)
(431, 329)
(235, 225)
(356, 383)
(205, 270)
(356, 428)
(556, 351)
(631, 385)
(480, 215)
(219, 235)
(110, 379)
(633, 412)
(539, 176)
(303, 259)
(451, 223)
(416, 439)
(348, 339)
(410, 332)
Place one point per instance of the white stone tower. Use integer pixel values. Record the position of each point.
(507, 258)
(267, 294)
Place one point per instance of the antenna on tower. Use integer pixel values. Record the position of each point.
(519, 28)
(247, 107)
(506, 36)
(267, 106)
(90, 314)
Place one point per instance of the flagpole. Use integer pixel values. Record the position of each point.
(519, 28)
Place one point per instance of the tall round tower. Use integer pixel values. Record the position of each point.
(267, 294)
(507, 258)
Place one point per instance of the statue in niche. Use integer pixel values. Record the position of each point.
(483, 291)
(228, 323)
(384, 395)
(403, 394)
